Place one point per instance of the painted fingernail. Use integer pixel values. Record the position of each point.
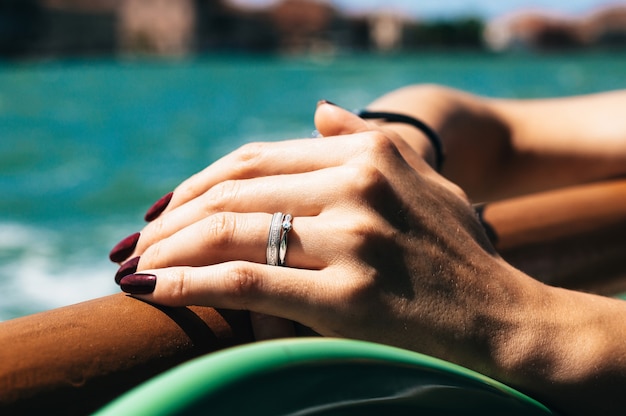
(124, 248)
(158, 207)
(320, 102)
(127, 268)
(138, 283)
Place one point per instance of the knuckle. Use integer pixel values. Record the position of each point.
(219, 229)
(366, 180)
(156, 256)
(378, 143)
(179, 288)
(248, 157)
(153, 253)
(370, 236)
(190, 188)
(242, 282)
(216, 198)
(156, 228)
(357, 230)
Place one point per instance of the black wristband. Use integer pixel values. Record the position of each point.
(433, 137)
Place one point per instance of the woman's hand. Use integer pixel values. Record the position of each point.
(381, 249)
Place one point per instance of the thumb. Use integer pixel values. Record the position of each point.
(331, 120)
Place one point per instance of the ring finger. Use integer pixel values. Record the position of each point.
(230, 236)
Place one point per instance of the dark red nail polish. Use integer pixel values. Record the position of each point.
(158, 207)
(124, 248)
(138, 283)
(127, 268)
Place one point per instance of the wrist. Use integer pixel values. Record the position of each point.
(509, 328)
(526, 343)
(560, 347)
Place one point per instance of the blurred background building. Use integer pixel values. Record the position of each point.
(50, 28)
(534, 29)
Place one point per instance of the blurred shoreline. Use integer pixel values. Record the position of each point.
(51, 29)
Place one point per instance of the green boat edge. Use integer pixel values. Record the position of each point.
(168, 393)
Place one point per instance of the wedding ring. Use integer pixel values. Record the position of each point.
(273, 239)
(282, 250)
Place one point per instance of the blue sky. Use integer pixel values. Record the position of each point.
(451, 8)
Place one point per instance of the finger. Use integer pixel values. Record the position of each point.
(277, 291)
(282, 193)
(264, 159)
(229, 236)
(270, 327)
(331, 120)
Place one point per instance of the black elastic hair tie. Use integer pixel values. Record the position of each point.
(433, 137)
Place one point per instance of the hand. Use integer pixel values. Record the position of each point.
(333, 122)
(381, 249)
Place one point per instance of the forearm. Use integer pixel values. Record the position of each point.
(563, 141)
(502, 148)
(73, 360)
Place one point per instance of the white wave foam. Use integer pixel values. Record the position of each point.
(36, 276)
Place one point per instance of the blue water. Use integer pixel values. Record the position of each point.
(87, 146)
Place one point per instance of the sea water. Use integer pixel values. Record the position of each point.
(86, 146)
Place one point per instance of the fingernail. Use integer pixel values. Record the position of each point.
(124, 248)
(127, 268)
(321, 102)
(138, 283)
(158, 207)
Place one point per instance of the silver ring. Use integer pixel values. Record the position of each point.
(282, 251)
(273, 239)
